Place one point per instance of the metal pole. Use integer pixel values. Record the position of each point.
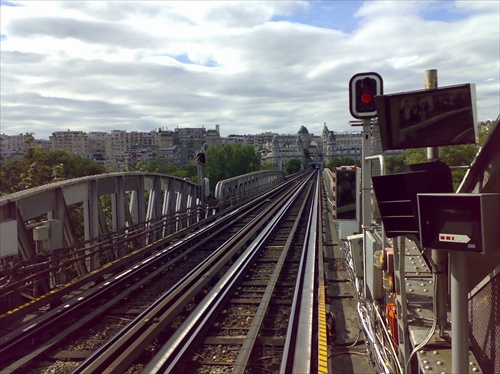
(439, 258)
(404, 340)
(201, 182)
(431, 82)
(458, 269)
(382, 172)
(459, 314)
(365, 189)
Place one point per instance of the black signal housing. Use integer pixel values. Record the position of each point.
(363, 87)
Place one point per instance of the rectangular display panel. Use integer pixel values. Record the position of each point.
(428, 118)
(346, 194)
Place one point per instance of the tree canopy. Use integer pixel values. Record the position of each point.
(39, 167)
(157, 166)
(267, 166)
(230, 160)
(293, 166)
(344, 161)
(458, 155)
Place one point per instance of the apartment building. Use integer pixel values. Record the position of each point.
(96, 144)
(213, 136)
(190, 142)
(73, 142)
(117, 145)
(167, 139)
(15, 146)
(20, 142)
(138, 139)
(348, 144)
(182, 144)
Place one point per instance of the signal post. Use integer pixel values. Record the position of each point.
(363, 88)
(435, 125)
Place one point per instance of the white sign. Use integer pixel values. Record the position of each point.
(454, 238)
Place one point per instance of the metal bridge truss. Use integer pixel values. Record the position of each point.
(231, 190)
(56, 232)
(53, 234)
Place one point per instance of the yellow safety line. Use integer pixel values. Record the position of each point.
(322, 340)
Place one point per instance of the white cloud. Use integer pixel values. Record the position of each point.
(248, 66)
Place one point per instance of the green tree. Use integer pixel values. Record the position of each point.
(230, 160)
(293, 166)
(394, 164)
(157, 166)
(333, 163)
(457, 155)
(414, 156)
(344, 161)
(307, 154)
(267, 166)
(39, 167)
(484, 128)
(188, 171)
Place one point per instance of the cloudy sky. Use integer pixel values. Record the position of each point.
(249, 66)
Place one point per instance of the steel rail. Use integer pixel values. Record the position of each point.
(81, 253)
(61, 291)
(241, 363)
(173, 351)
(16, 341)
(11, 342)
(297, 354)
(118, 353)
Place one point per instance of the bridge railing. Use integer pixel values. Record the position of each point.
(53, 233)
(232, 191)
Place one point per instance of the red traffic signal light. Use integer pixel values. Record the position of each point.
(363, 88)
(366, 98)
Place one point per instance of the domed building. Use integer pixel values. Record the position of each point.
(305, 136)
(280, 153)
(282, 148)
(300, 142)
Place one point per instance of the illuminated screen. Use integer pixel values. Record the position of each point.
(427, 118)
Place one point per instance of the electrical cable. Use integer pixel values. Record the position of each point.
(382, 359)
(347, 353)
(393, 352)
(369, 333)
(340, 346)
(434, 323)
(377, 362)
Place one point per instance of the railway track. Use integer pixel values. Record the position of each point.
(235, 315)
(249, 322)
(188, 269)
